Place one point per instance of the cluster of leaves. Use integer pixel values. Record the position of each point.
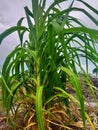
(35, 73)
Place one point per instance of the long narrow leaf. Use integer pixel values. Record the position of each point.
(11, 30)
(78, 90)
(39, 114)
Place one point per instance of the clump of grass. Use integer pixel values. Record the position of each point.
(36, 72)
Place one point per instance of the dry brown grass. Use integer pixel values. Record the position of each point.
(56, 118)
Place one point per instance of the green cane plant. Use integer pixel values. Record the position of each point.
(35, 74)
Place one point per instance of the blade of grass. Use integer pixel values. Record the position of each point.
(39, 114)
(11, 30)
(75, 82)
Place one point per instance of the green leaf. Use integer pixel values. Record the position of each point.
(75, 82)
(20, 32)
(89, 6)
(7, 87)
(75, 30)
(39, 108)
(11, 30)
